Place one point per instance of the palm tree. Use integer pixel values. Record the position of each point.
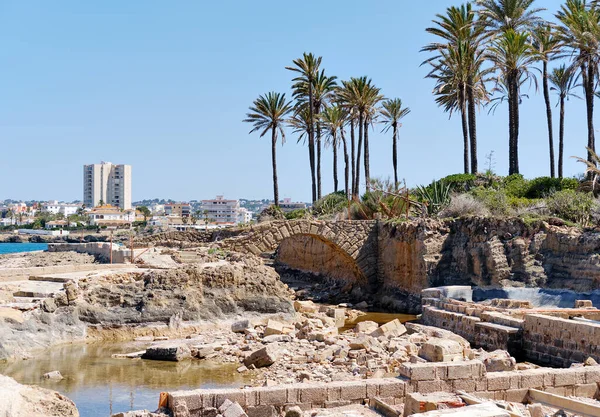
(323, 92)
(343, 98)
(308, 68)
(563, 81)
(457, 67)
(392, 113)
(333, 119)
(512, 54)
(268, 112)
(360, 95)
(547, 46)
(580, 33)
(500, 16)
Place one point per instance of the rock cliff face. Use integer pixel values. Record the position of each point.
(487, 252)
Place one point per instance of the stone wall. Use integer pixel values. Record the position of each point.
(100, 250)
(559, 341)
(468, 376)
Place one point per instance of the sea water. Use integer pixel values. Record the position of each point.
(21, 247)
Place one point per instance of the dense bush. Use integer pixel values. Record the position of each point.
(330, 204)
(297, 214)
(515, 185)
(571, 205)
(542, 187)
(460, 183)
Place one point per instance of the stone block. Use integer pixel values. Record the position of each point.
(251, 397)
(233, 410)
(533, 378)
(334, 391)
(272, 396)
(516, 395)
(391, 329)
(354, 390)
(313, 394)
(392, 388)
(592, 374)
(262, 411)
(441, 350)
(418, 371)
(467, 385)
(365, 327)
(571, 376)
(428, 387)
(586, 390)
(192, 400)
(583, 304)
(460, 370)
(274, 327)
(262, 357)
(240, 326)
(233, 395)
(497, 381)
(556, 390)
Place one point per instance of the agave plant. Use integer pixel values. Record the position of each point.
(436, 196)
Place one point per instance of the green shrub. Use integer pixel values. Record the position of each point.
(571, 206)
(331, 204)
(297, 214)
(515, 185)
(542, 187)
(436, 196)
(460, 183)
(495, 201)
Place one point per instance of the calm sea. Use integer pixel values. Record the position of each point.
(21, 247)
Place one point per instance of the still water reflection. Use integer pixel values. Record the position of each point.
(100, 385)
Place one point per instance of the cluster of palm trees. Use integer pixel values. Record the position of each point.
(320, 114)
(486, 53)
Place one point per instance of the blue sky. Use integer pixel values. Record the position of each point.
(163, 86)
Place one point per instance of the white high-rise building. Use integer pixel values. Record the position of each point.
(107, 183)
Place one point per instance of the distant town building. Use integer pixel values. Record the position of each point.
(110, 216)
(54, 207)
(245, 215)
(287, 205)
(107, 183)
(222, 211)
(178, 209)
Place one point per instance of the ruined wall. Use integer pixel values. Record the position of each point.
(486, 252)
(308, 253)
(558, 341)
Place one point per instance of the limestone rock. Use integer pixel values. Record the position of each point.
(391, 329)
(24, 400)
(240, 326)
(441, 350)
(305, 307)
(294, 411)
(274, 327)
(55, 375)
(262, 357)
(366, 327)
(173, 353)
(498, 361)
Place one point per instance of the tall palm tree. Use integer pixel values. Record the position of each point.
(457, 67)
(323, 92)
(307, 68)
(269, 112)
(512, 54)
(502, 15)
(392, 112)
(563, 81)
(579, 31)
(333, 119)
(547, 46)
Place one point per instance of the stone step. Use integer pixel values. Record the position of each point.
(32, 294)
(49, 278)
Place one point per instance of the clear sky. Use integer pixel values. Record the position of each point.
(164, 86)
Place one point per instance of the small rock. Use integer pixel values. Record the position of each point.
(240, 326)
(167, 353)
(365, 327)
(242, 369)
(362, 305)
(294, 411)
(54, 375)
(391, 329)
(277, 338)
(202, 352)
(262, 357)
(590, 362)
(273, 327)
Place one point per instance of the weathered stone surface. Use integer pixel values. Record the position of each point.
(240, 326)
(24, 400)
(273, 328)
(55, 375)
(441, 350)
(391, 329)
(366, 327)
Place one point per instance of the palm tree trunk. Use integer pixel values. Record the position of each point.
(465, 129)
(274, 162)
(548, 116)
(589, 101)
(395, 154)
(311, 140)
(359, 147)
(366, 140)
(561, 136)
(346, 164)
(472, 127)
(319, 195)
(512, 124)
(515, 117)
(353, 150)
(335, 173)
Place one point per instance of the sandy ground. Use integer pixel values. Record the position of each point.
(41, 258)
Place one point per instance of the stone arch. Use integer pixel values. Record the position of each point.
(355, 239)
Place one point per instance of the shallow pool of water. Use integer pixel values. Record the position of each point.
(379, 318)
(100, 385)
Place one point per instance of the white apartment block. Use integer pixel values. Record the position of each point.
(107, 183)
(222, 211)
(55, 207)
